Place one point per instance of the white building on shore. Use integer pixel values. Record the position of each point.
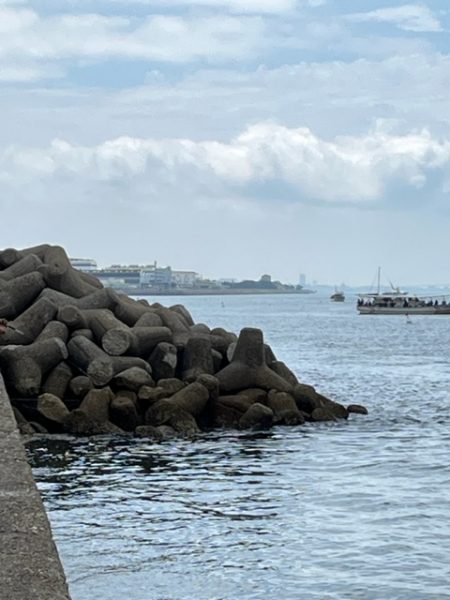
(137, 275)
(84, 264)
(185, 278)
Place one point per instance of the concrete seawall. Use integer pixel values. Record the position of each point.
(30, 568)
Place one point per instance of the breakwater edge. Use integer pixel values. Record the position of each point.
(82, 359)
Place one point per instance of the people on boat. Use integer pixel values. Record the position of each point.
(401, 303)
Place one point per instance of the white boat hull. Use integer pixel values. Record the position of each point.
(412, 310)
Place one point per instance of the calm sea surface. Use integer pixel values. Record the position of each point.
(349, 510)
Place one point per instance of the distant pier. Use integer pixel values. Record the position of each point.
(192, 291)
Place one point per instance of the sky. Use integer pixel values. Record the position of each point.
(230, 137)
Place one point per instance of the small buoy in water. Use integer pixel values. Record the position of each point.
(408, 320)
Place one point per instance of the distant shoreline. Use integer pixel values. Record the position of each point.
(225, 292)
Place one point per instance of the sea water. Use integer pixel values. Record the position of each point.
(357, 509)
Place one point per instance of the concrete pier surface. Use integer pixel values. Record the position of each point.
(30, 568)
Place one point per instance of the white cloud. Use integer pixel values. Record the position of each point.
(330, 98)
(31, 43)
(410, 17)
(27, 36)
(234, 6)
(23, 73)
(346, 169)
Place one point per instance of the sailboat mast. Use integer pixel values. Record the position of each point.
(379, 274)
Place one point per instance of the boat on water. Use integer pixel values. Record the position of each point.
(337, 296)
(398, 302)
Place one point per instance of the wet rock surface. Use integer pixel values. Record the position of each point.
(83, 359)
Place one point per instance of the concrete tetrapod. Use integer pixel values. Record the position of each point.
(121, 363)
(53, 329)
(57, 380)
(197, 358)
(72, 316)
(128, 310)
(176, 324)
(183, 312)
(133, 378)
(15, 255)
(281, 369)
(164, 360)
(87, 333)
(17, 294)
(248, 368)
(60, 275)
(27, 326)
(100, 321)
(149, 319)
(90, 359)
(9, 256)
(104, 298)
(25, 366)
(179, 411)
(80, 385)
(24, 265)
(284, 408)
(51, 412)
(137, 341)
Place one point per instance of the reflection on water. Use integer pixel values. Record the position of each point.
(353, 510)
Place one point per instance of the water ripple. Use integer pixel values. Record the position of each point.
(343, 511)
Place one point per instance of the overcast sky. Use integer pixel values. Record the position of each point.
(230, 137)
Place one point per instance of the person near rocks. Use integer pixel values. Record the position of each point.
(3, 326)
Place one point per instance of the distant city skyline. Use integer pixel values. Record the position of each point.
(302, 279)
(236, 138)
